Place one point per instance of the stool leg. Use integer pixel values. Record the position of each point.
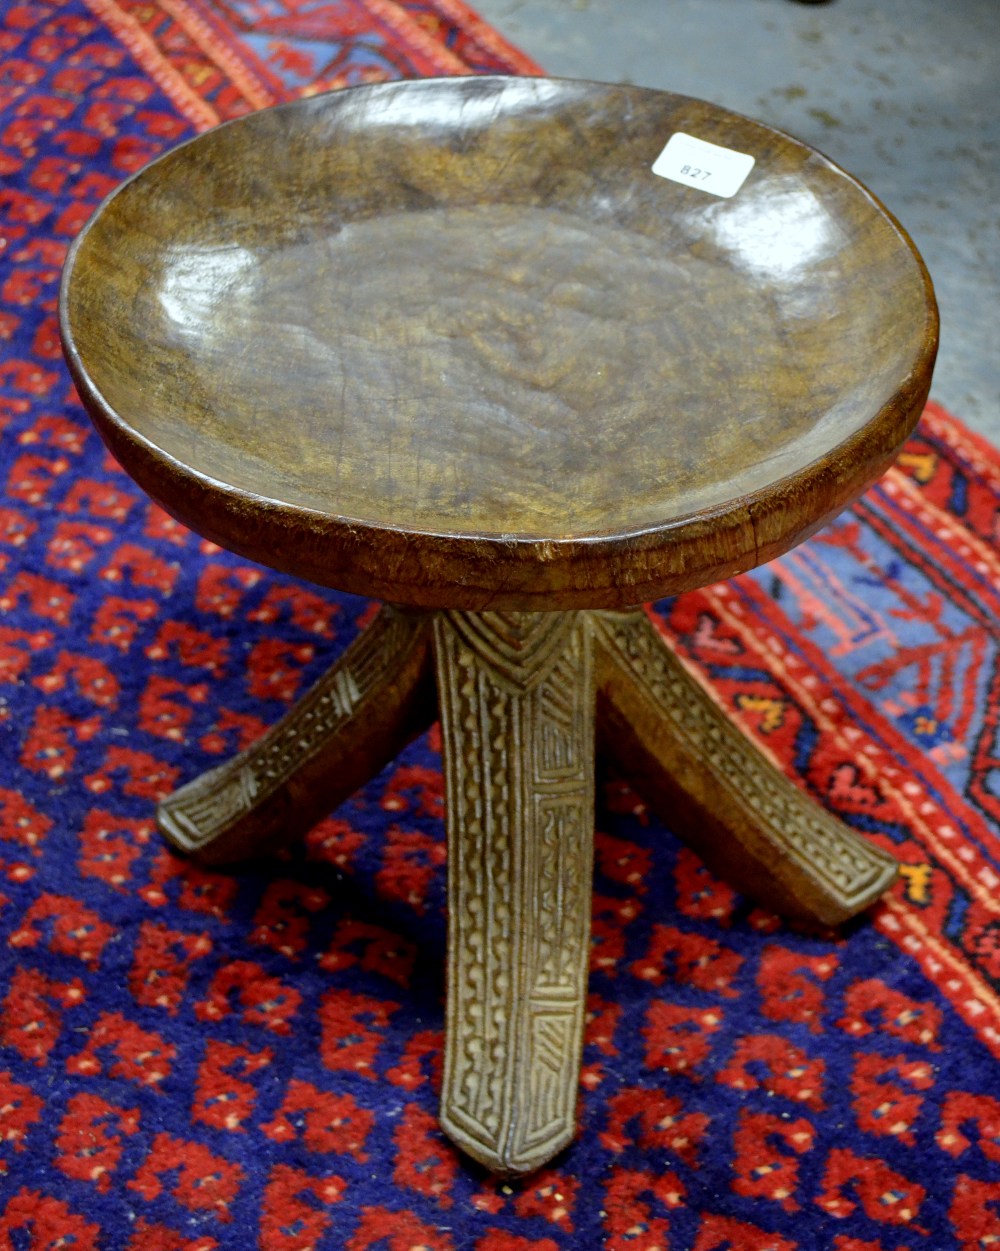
(718, 791)
(356, 718)
(516, 692)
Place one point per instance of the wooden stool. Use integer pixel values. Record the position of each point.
(453, 344)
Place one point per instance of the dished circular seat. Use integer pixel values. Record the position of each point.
(452, 342)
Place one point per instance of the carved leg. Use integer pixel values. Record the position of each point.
(516, 692)
(359, 715)
(718, 791)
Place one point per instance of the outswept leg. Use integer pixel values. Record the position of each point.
(358, 716)
(517, 712)
(718, 791)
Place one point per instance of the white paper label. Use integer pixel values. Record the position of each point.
(697, 163)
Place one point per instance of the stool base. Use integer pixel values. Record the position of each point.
(519, 695)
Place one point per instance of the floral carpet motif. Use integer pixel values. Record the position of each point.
(193, 1060)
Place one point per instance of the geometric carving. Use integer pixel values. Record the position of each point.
(359, 714)
(517, 692)
(519, 647)
(518, 761)
(718, 791)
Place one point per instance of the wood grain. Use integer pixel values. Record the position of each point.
(451, 343)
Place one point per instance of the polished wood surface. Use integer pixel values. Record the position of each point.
(452, 343)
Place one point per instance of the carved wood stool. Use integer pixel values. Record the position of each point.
(454, 345)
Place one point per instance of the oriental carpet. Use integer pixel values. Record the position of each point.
(193, 1060)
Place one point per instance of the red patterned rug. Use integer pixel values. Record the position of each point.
(194, 1060)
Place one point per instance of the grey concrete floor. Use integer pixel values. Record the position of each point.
(904, 94)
